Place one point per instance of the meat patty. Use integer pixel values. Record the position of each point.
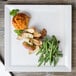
(20, 21)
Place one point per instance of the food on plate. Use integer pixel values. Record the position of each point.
(36, 49)
(46, 47)
(27, 35)
(19, 37)
(49, 51)
(43, 33)
(36, 42)
(18, 32)
(20, 21)
(24, 35)
(31, 37)
(31, 40)
(37, 34)
(28, 46)
(30, 30)
(14, 12)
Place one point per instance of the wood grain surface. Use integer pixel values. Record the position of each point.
(73, 2)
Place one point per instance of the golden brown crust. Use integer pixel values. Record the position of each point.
(28, 46)
(37, 34)
(20, 21)
(36, 42)
(43, 33)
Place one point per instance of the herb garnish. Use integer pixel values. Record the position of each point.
(18, 32)
(14, 12)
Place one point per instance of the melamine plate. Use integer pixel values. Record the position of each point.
(57, 19)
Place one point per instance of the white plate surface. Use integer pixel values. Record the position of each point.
(56, 19)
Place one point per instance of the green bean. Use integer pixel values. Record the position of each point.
(49, 51)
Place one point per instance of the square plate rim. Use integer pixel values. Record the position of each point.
(12, 68)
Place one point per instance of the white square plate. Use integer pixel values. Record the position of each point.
(57, 19)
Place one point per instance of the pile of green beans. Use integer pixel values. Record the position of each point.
(49, 51)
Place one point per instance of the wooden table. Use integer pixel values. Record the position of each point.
(73, 2)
